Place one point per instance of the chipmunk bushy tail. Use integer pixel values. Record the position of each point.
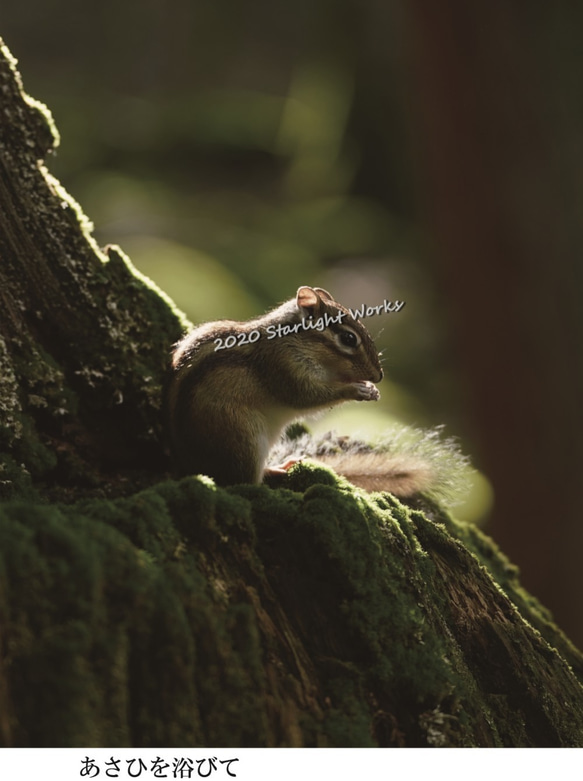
(405, 461)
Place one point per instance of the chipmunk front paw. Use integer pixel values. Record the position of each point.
(366, 391)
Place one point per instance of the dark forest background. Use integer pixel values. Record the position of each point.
(382, 149)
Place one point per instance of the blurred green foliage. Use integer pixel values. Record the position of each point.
(236, 152)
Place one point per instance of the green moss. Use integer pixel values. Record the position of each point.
(106, 598)
(348, 723)
(15, 480)
(85, 345)
(507, 577)
(379, 591)
(120, 269)
(191, 615)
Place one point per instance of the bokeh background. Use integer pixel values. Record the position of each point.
(383, 149)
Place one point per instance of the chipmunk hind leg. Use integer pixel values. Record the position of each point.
(229, 457)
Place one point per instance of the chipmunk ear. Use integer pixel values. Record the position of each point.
(308, 298)
(324, 294)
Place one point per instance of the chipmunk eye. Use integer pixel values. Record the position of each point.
(348, 338)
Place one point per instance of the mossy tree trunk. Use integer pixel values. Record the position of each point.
(83, 341)
(139, 610)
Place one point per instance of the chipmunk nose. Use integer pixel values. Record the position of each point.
(380, 376)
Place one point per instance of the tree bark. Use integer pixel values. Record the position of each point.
(137, 610)
(83, 340)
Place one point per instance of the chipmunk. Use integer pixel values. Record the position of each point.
(235, 386)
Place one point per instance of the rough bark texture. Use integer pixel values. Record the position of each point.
(83, 341)
(136, 610)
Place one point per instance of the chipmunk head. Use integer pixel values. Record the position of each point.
(345, 347)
